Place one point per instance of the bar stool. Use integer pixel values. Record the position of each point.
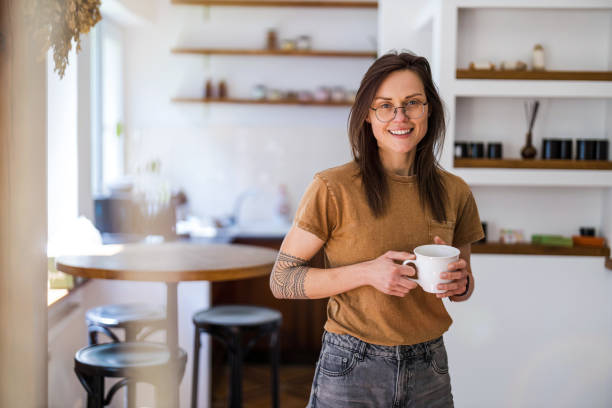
(139, 320)
(135, 362)
(232, 324)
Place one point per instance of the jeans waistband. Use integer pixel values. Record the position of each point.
(400, 352)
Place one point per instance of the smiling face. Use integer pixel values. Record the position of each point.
(398, 138)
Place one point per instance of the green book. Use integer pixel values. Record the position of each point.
(552, 240)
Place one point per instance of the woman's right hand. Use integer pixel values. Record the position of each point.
(389, 277)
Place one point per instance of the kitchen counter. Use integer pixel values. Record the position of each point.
(264, 229)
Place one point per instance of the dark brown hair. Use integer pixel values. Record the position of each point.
(365, 148)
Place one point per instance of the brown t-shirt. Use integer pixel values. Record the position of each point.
(334, 208)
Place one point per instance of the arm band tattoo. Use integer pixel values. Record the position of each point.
(288, 275)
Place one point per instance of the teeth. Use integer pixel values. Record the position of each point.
(400, 132)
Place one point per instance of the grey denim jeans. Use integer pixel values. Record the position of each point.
(353, 373)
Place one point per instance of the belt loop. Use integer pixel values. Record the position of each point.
(427, 353)
(362, 349)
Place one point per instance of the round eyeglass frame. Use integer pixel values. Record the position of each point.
(395, 108)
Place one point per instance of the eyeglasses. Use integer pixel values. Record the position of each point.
(412, 110)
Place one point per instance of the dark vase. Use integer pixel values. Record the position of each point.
(528, 151)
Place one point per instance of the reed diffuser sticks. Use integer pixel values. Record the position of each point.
(531, 112)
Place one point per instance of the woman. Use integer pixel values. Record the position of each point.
(382, 345)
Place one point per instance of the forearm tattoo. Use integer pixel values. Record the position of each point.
(288, 276)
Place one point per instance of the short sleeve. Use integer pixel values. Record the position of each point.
(317, 210)
(468, 228)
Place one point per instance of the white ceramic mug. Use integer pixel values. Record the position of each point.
(430, 262)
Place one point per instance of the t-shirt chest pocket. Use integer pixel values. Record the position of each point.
(444, 230)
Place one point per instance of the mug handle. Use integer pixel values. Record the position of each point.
(410, 261)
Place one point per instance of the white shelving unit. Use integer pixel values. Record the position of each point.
(535, 178)
(457, 37)
(530, 89)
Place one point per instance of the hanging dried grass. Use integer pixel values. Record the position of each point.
(57, 23)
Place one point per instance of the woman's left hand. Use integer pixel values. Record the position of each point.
(457, 273)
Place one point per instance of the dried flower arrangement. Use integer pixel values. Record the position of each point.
(59, 22)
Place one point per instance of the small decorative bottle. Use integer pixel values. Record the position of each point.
(208, 92)
(272, 40)
(222, 89)
(538, 58)
(528, 151)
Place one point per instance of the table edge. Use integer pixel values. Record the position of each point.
(215, 275)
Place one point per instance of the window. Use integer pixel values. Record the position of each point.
(103, 115)
(107, 73)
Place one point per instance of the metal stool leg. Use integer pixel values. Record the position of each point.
(196, 368)
(95, 399)
(130, 390)
(236, 371)
(274, 362)
(93, 331)
(94, 386)
(93, 337)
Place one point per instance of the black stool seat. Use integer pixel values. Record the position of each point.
(136, 362)
(231, 324)
(237, 315)
(121, 358)
(137, 319)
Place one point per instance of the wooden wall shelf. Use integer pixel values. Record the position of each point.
(536, 75)
(280, 3)
(294, 53)
(531, 249)
(260, 101)
(535, 164)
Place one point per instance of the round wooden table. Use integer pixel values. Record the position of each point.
(172, 263)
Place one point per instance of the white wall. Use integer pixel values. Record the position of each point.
(411, 30)
(536, 333)
(215, 152)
